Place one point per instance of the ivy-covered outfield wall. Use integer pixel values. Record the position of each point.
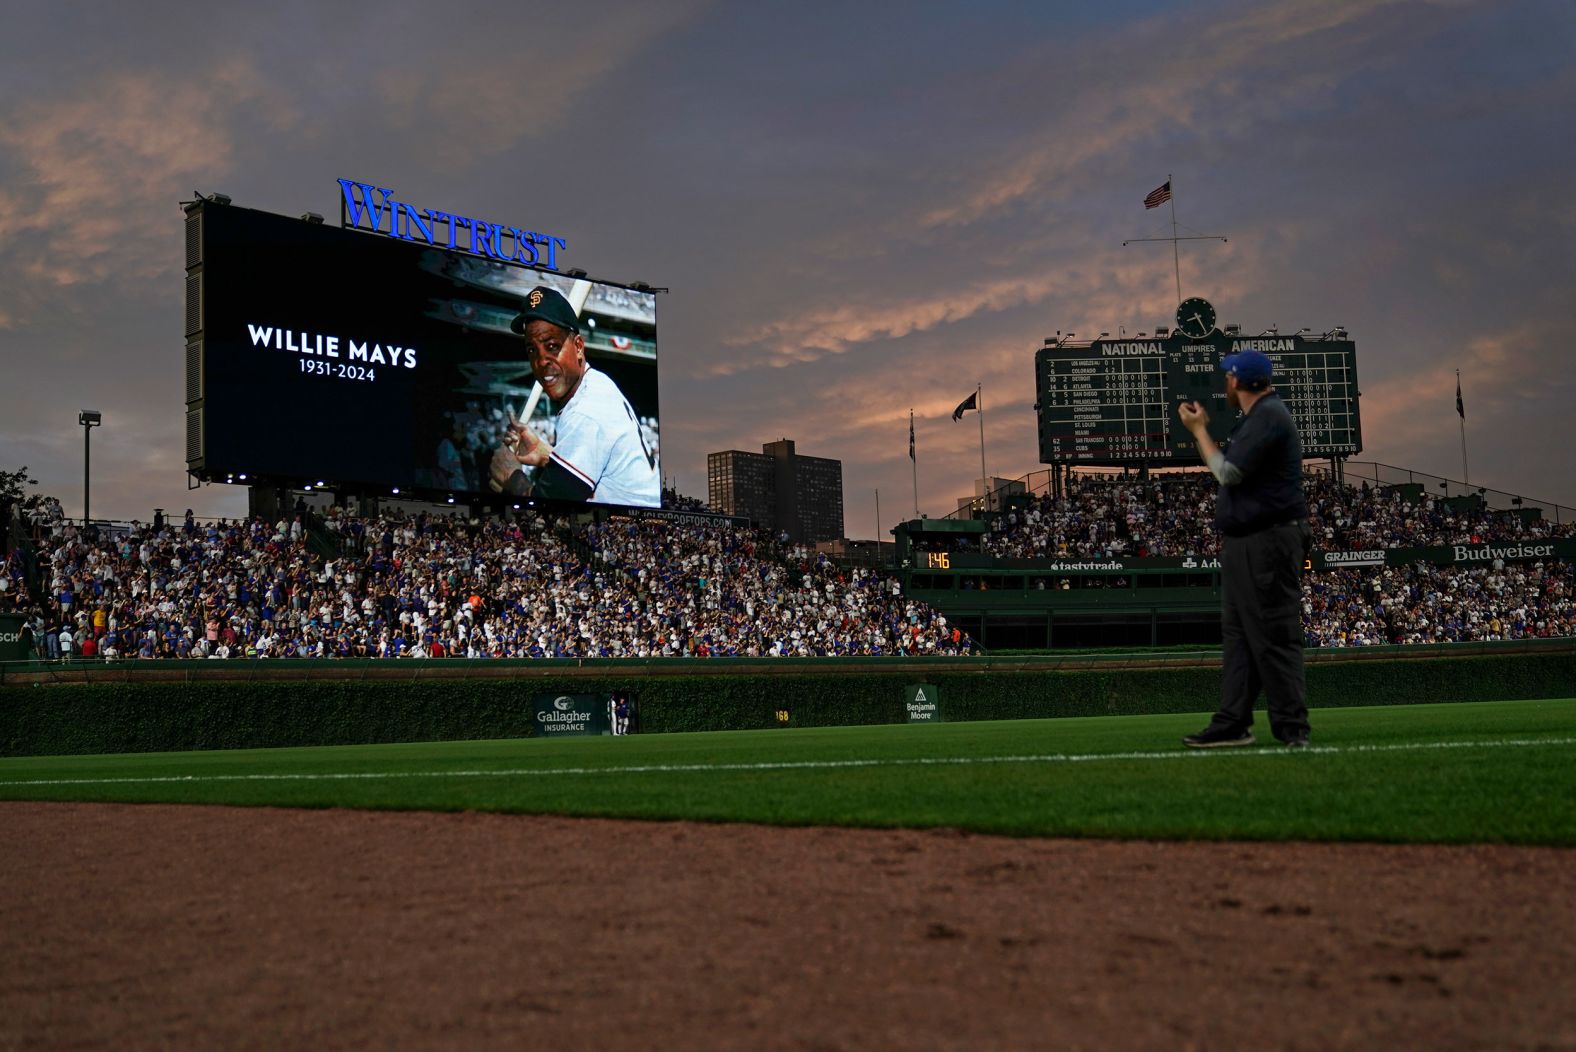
(320, 705)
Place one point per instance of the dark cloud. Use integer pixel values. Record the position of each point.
(858, 211)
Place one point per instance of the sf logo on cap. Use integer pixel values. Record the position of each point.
(534, 299)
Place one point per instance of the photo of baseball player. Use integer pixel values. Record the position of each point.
(599, 453)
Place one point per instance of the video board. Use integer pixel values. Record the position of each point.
(1114, 402)
(322, 355)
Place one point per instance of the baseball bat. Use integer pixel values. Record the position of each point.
(530, 407)
(530, 403)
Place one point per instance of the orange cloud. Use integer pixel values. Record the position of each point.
(1096, 290)
(101, 169)
(1416, 410)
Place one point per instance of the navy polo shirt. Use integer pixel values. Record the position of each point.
(1265, 447)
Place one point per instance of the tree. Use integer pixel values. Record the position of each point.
(14, 497)
(11, 488)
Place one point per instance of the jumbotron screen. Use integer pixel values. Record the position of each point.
(376, 365)
(1115, 402)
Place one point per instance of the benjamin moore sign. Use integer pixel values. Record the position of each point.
(922, 703)
(375, 208)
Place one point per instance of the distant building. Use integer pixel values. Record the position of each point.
(988, 492)
(780, 490)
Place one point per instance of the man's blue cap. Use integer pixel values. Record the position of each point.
(1248, 366)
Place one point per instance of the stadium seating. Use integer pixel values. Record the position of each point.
(1434, 604)
(1174, 515)
(341, 586)
(436, 587)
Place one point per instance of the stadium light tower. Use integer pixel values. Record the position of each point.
(89, 419)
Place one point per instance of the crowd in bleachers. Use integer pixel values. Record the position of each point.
(735, 591)
(1421, 603)
(1174, 515)
(1166, 516)
(449, 587)
(335, 585)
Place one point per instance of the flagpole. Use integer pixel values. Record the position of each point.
(1176, 257)
(1176, 253)
(1466, 476)
(914, 461)
(979, 403)
(878, 525)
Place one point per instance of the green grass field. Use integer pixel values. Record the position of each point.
(1492, 772)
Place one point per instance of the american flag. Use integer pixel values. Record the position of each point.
(1159, 195)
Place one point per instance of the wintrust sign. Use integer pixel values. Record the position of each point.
(376, 209)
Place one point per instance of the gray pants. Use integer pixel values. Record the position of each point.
(1261, 625)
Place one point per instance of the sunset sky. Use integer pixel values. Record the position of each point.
(859, 208)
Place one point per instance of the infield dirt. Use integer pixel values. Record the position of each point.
(133, 926)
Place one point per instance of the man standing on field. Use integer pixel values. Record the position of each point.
(1263, 515)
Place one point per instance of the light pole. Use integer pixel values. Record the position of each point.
(89, 419)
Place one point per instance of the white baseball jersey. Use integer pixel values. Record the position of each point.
(600, 454)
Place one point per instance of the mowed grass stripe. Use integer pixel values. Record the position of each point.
(810, 765)
(1435, 773)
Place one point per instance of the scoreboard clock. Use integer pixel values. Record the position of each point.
(1195, 318)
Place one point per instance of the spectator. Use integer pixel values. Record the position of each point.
(533, 587)
(1171, 515)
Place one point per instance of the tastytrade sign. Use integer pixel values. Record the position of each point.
(375, 208)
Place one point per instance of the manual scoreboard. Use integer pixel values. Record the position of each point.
(1115, 401)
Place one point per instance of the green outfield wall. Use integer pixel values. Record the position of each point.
(159, 706)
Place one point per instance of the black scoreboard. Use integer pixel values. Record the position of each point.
(1115, 401)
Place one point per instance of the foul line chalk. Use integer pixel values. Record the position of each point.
(806, 765)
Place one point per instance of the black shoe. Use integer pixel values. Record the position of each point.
(1298, 742)
(1218, 737)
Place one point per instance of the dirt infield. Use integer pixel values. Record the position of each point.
(154, 926)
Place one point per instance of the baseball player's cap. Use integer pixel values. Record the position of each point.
(1248, 366)
(546, 304)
